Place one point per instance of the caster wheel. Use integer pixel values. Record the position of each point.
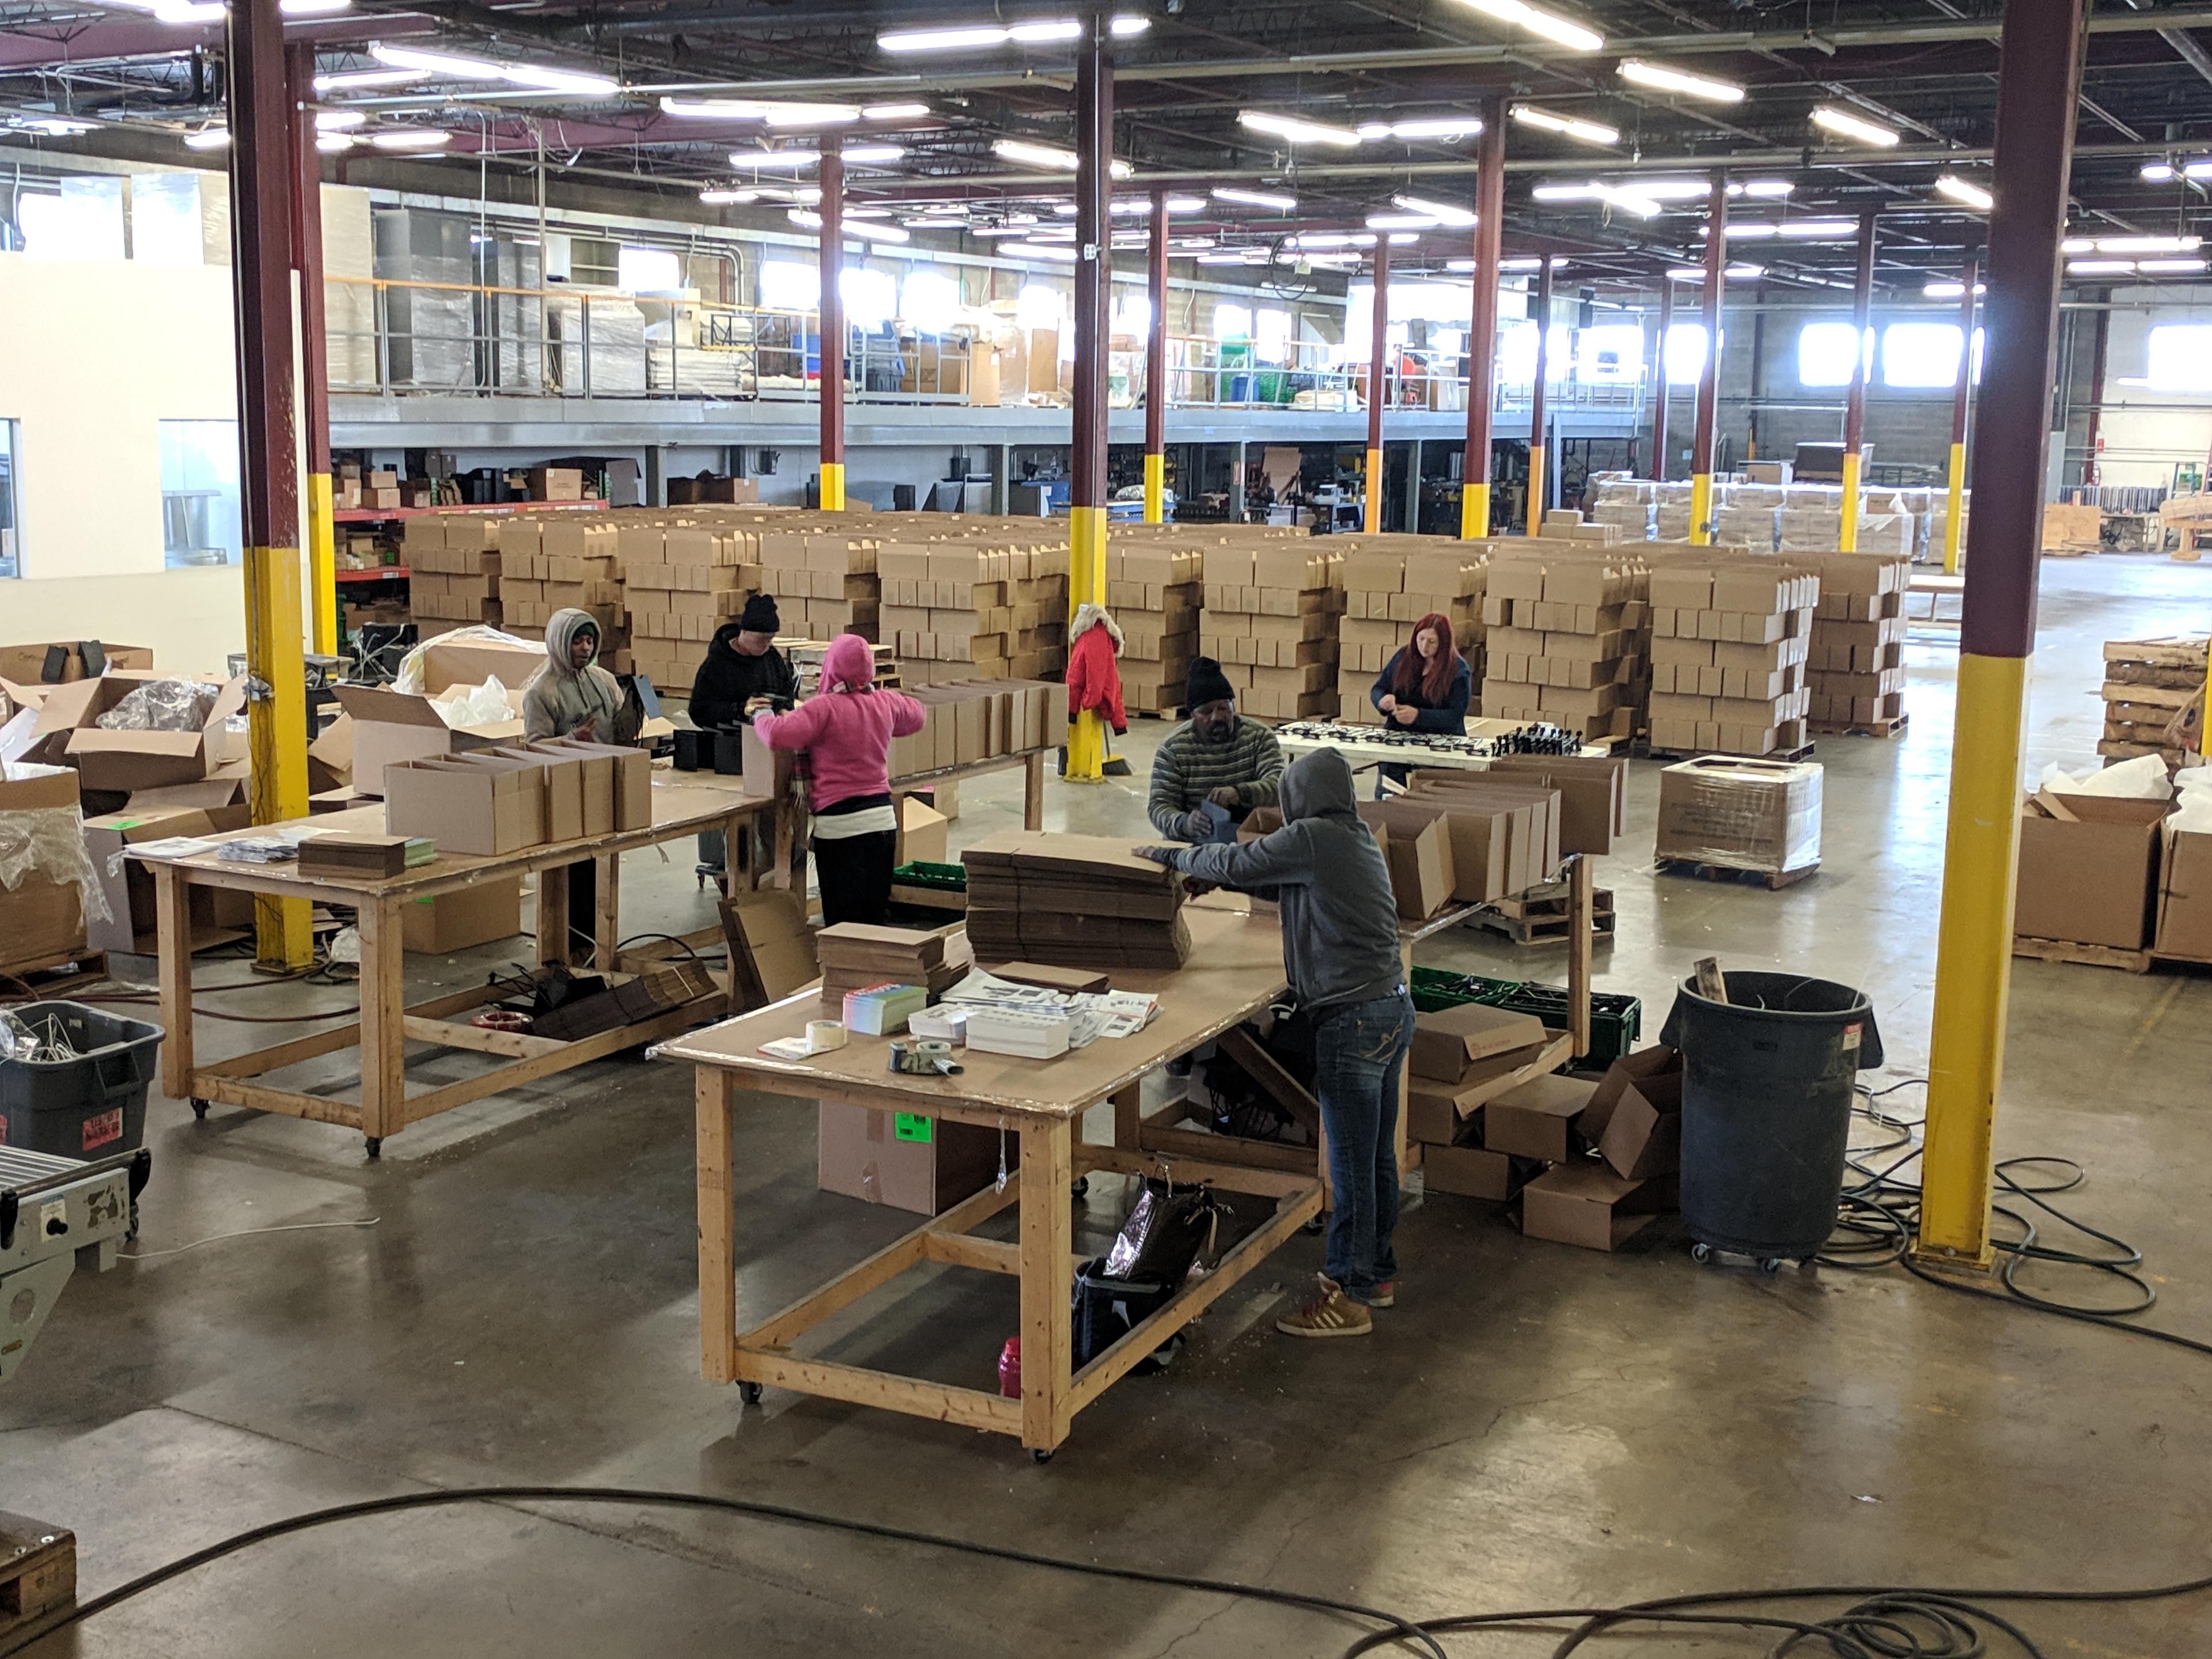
(1769, 1264)
(1081, 1188)
(200, 1109)
(1040, 1455)
(1701, 1254)
(749, 1393)
(374, 1147)
(1318, 1225)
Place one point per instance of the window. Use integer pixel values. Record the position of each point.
(1516, 354)
(1920, 354)
(1686, 353)
(871, 297)
(1824, 353)
(930, 300)
(1232, 322)
(84, 221)
(164, 219)
(11, 537)
(1039, 304)
(2180, 357)
(1271, 332)
(199, 493)
(648, 271)
(1612, 351)
(786, 285)
(1132, 313)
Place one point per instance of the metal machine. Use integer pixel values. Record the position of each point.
(57, 1214)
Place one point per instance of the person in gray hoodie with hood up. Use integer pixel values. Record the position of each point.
(1340, 955)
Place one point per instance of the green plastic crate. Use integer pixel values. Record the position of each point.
(1616, 1019)
(945, 878)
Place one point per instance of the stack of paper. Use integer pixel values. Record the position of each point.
(946, 1023)
(259, 850)
(1028, 1033)
(881, 1010)
(853, 957)
(1073, 901)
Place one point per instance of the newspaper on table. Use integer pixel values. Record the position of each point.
(1093, 1014)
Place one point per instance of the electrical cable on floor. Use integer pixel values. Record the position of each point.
(249, 1232)
(1879, 1622)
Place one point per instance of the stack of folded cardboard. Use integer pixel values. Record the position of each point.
(1855, 664)
(1073, 901)
(1271, 616)
(822, 575)
(1565, 638)
(853, 957)
(1730, 639)
(1389, 584)
(1155, 579)
(366, 855)
(683, 582)
(453, 561)
(565, 562)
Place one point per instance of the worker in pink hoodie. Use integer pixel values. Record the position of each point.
(846, 731)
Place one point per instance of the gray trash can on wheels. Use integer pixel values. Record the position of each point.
(1768, 1085)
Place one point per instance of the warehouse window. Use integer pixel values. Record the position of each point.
(1920, 354)
(1516, 354)
(1039, 304)
(871, 297)
(1824, 353)
(11, 536)
(1686, 353)
(648, 271)
(1613, 352)
(1273, 333)
(1132, 313)
(786, 285)
(1232, 322)
(2181, 357)
(199, 493)
(930, 300)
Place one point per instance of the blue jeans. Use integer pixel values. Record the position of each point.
(1360, 1048)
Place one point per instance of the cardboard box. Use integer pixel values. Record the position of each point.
(1447, 1042)
(124, 761)
(1634, 1116)
(1473, 1172)
(1592, 795)
(2185, 895)
(217, 914)
(1740, 813)
(1587, 1205)
(922, 831)
(392, 728)
(60, 661)
(41, 920)
(595, 780)
(630, 780)
(1415, 846)
(449, 663)
(770, 924)
(901, 1159)
(484, 809)
(445, 922)
(1540, 1118)
(564, 789)
(2092, 880)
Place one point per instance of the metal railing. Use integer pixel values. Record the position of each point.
(1207, 373)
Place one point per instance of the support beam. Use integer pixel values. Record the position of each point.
(2039, 71)
(1659, 402)
(1539, 470)
(1378, 384)
(1847, 531)
(1709, 383)
(2100, 360)
(1482, 332)
(314, 348)
(263, 171)
(1962, 396)
(1156, 366)
(1094, 276)
(832, 307)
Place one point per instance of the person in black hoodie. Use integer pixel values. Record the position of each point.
(742, 672)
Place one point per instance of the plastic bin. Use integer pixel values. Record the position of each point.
(1616, 1019)
(1768, 1078)
(87, 1107)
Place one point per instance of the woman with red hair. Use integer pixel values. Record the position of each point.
(1425, 687)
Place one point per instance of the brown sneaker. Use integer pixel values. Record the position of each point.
(1331, 1313)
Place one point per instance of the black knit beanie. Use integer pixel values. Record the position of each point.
(760, 616)
(1207, 683)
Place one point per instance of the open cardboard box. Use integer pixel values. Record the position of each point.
(1442, 1113)
(2091, 876)
(1450, 1041)
(1586, 1204)
(1634, 1116)
(2185, 895)
(392, 728)
(68, 731)
(484, 809)
(1592, 795)
(218, 915)
(449, 663)
(40, 919)
(1540, 1118)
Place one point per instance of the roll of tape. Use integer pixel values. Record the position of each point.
(824, 1035)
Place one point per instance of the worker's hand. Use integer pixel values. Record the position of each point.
(587, 733)
(754, 705)
(1166, 856)
(1403, 715)
(1389, 703)
(1197, 889)
(1225, 796)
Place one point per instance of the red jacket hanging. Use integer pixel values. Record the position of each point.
(1094, 675)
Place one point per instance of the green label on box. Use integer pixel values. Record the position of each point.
(910, 1126)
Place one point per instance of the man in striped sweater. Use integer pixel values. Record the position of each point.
(1218, 755)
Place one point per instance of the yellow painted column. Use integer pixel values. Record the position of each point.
(1536, 483)
(1156, 488)
(833, 486)
(1474, 512)
(1952, 529)
(1847, 523)
(1086, 583)
(277, 735)
(1371, 517)
(1701, 509)
(322, 566)
(1973, 960)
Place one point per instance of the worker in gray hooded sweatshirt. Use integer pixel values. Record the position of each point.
(1340, 954)
(572, 697)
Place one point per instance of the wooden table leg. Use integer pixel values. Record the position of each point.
(712, 1092)
(553, 916)
(1033, 791)
(383, 1017)
(1047, 1243)
(1129, 1117)
(1579, 892)
(738, 867)
(174, 931)
(607, 925)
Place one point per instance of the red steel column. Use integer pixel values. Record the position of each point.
(1540, 491)
(314, 348)
(1482, 329)
(1659, 403)
(1961, 399)
(2039, 78)
(1847, 533)
(262, 169)
(1709, 383)
(1378, 382)
(1156, 366)
(1093, 280)
(832, 308)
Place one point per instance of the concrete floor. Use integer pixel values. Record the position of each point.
(1533, 1425)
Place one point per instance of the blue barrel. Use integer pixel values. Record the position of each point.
(1767, 1086)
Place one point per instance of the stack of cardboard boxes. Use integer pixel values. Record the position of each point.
(964, 608)
(1855, 664)
(1271, 614)
(822, 575)
(1389, 584)
(1564, 645)
(1155, 585)
(564, 561)
(1730, 639)
(453, 562)
(1566, 523)
(971, 722)
(1623, 502)
(682, 582)
(1073, 901)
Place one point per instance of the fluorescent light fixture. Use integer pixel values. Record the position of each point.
(1000, 230)
(51, 126)
(1259, 199)
(866, 229)
(1736, 273)
(354, 79)
(1817, 230)
(1056, 28)
(1527, 264)
(1234, 256)
(2077, 245)
(2165, 267)
(1034, 250)
(434, 63)
(1442, 212)
(1629, 198)
(1404, 237)
(1660, 76)
(312, 8)
(2099, 267)
(2158, 172)
(720, 197)
(1440, 126)
(410, 138)
(1745, 231)
(208, 138)
(1400, 222)
(1953, 290)
(183, 11)
(804, 195)
(1771, 188)
(794, 158)
(1290, 130)
(1666, 190)
(1856, 128)
(867, 213)
(1313, 239)
(1130, 206)
(559, 80)
(952, 39)
(1122, 28)
(983, 36)
(2197, 170)
(1593, 132)
(894, 111)
(772, 114)
(332, 143)
(1959, 189)
(2147, 243)
(1582, 192)
(1048, 155)
(1541, 23)
(338, 121)
(872, 155)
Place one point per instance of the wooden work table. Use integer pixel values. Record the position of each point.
(1235, 970)
(386, 1024)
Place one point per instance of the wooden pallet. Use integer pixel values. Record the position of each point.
(1541, 930)
(1802, 751)
(1546, 899)
(1883, 729)
(57, 973)
(38, 1570)
(1772, 881)
(2088, 956)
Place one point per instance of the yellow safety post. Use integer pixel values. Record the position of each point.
(1955, 492)
(1473, 511)
(1086, 584)
(322, 565)
(276, 737)
(1156, 488)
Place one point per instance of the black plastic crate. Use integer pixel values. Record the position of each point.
(87, 1107)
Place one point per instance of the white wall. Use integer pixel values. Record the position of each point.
(95, 354)
(2146, 430)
